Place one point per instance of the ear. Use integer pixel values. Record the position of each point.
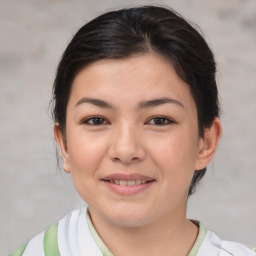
(60, 139)
(208, 144)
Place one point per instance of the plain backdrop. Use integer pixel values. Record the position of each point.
(35, 194)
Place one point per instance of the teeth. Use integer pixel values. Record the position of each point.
(128, 183)
(123, 182)
(131, 182)
(138, 182)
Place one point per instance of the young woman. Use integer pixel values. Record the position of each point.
(137, 121)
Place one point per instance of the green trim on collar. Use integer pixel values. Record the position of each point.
(105, 251)
(19, 251)
(51, 247)
(200, 238)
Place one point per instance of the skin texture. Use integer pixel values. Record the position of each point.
(129, 138)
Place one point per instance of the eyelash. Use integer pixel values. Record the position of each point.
(163, 121)
(162, 118)
(87, 121)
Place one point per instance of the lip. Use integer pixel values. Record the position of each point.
(128, 190)
(132, 176)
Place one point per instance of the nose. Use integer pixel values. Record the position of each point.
(126, 145)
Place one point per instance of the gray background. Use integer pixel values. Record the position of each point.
(34, 194)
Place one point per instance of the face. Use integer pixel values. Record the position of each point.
(132, 141)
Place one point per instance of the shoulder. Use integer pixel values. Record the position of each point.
(33, 246)
(237, 248)
(40, 245)
(215, 246)
(67, 237)
(19, 251)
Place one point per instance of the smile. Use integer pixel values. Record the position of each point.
(128, 182)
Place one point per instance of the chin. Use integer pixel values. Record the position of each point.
(128, 218)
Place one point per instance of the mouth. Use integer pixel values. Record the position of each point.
(128, 184)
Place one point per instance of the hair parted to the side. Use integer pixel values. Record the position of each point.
(140, 30)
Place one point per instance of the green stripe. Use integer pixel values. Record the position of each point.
(51, 247)
(105, 251)
(200, 238)
(19, 251)
(254, 249)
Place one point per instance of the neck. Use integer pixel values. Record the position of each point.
(169, 235)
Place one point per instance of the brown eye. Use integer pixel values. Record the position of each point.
(95, 121)
(160, 121)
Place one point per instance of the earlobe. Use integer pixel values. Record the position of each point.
(208, 144)
(59, 137)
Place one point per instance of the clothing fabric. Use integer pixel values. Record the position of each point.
(75, 235)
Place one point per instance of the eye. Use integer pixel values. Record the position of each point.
(96, 120)
(159, 120)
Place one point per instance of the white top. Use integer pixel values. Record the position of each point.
(75, 235)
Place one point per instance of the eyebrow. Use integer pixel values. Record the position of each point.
(96, 102)
(157, 102)
(141, 105)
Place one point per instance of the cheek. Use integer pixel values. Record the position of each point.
(85, 154)
(175, 155)
(177, 148)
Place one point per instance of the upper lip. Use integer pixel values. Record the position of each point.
(132, 176)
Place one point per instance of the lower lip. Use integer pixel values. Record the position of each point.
(128, 190)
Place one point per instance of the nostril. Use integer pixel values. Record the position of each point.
(126, 160)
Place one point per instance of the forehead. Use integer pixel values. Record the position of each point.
(131, 79)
